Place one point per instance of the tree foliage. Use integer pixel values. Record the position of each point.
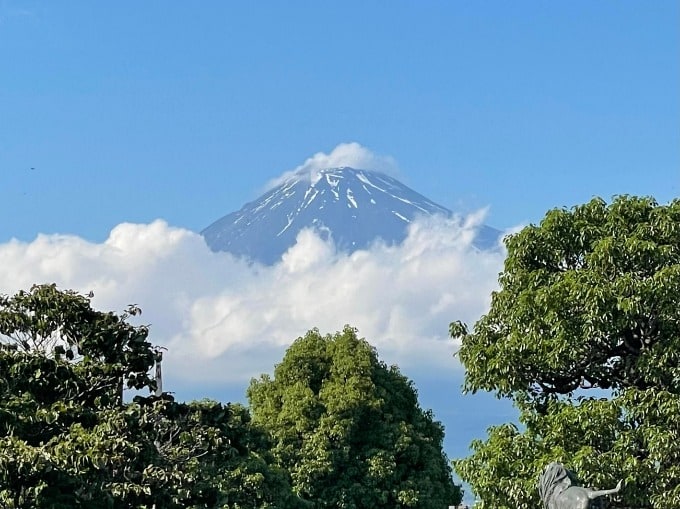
(67, 438)
(350, 430)
(589, 299)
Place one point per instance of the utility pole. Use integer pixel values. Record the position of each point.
(159, 374)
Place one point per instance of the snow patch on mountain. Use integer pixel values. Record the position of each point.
(355, 206)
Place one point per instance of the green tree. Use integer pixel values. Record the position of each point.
(67, 438)
(349, 430)
(589, 299)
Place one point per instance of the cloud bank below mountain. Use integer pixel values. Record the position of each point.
(224, 320)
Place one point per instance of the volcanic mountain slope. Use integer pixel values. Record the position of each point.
(354, 207)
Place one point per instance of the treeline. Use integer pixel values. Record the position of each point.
(335, 427)
(583, 335)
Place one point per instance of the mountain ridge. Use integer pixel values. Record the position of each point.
(352, 206)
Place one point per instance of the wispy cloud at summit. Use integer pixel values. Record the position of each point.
(350, 154)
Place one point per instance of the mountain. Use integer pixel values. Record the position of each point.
(354, 207)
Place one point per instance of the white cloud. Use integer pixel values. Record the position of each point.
(224, 320)
(351, 154)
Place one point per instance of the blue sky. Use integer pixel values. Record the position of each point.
(134, 111)
(129, 112)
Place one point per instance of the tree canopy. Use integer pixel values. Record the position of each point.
(589, 300)
(349, 429)
(68, 439)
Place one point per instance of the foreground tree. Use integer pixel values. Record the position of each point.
(350, 430)
(67, 438)
(589, 299)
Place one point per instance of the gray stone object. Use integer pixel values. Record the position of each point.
(559, 489)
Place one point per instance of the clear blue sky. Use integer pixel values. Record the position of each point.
(131, 111)
(114, 112)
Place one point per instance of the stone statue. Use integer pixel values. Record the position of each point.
(559, 489)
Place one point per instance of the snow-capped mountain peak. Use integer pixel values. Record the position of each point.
(354, 206)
